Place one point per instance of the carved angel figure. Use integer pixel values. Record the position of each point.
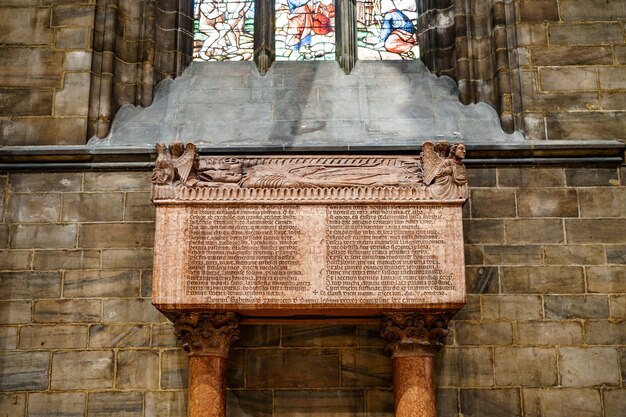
(179, 163)
(446, 177)
(163, 167)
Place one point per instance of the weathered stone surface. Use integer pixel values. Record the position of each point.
(531, 177)
(606, 279)
(8, 338)
(330, 403)
(138, 207)
(82, 369)
(67, 311)
(595, 230)
(605, 332)
(16, 71)
(163, 335)
(56, 404)
(379, 402)
(586, 125)
(612, 78)
(605, 33)
(572, 55)
(513, 255)
(591, 177)
(525, 366)
(493, 203)
(137, 369)
(122, 404)
(591, 10)
(259, 336)
(323, 335)
(549, 333)
(15, 260)
(78, 61)
(576, 369)
(130, 310)
(117, 181)
(66, 259)
(116, 235)
(465, 367)
(96, 207)
(24, 371)
(485, 231)
(73, 38)
(311, 368)
(548, 202)
(116, 283)
(241, 403)
(33, 182)
(603, 202)
(568, 78)
(53, 337)
(166, 404)
(368, 367)
(174, 371)
(15, 312)
(127, 258)
(512, 307)
(614, 401)
(486, 333)
(560, 402)
(43, 236)
(26, 285)
(492, 402)
(23, 33)
(576, 306)
(520, 231)
(618, 306)
(119, 336)
(25, 102)
(72, 15)
(12, 404)
(573, 254)
(542, 280)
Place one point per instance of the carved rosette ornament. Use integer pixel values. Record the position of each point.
(207, 334)
(413, 333)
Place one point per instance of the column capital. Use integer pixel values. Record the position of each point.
(414, 333)
(206, 334)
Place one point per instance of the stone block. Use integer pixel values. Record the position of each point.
(146, 283)
(591, 10)
(289, 368)
(28, 285)
(616, 254)
(465, 367)
(549, 333)
(16, 71)
(117, 283)
(586, 125)
(12, 405)
(66, 259)
(605, 332)
(559, 402)
(117, 181)
(511, 307)
(591, 177)
(130, 310)
(492, 403)
(73, 38)
(365, 367)
(33, 27)
(606, 279)
(93, 207)
(138, 207)
(473, 255)
(603, 202)
(15, 312)
(302, 403)
(236, 369)
(483, 333)
(119, 336)
(513, 255)
(613, 100)
(43, 236)
(137, 369)
(568, 78)
(166, 404)
(318, 335)
(33, 182)
(73, 99)
(67, 311)
(257, 335)
(481, 177)
(53, 337)
(595, 230)
(623, 363)
(482, 280)
(529, 231)
(486, 231)
(573, 54)
(576, 307)
(8, 338)
(82, 370)
(116, 235)
(56, 404)
(25, 102)
(28, 131)
(548, 202)
(531, 177)
(493, 203)
(539, 10)
(379, 402)
(573, 254)
(127, 258)
(243, 403)
(542, 280)
(605, 33)
(119, 404)
(618, 306)
(620, 54)
(78, 61)
(4, 236)
(24, 371)
(163, 335)
(614, 401)
(15, 260)
(586, 367)
(369, 335)
(525, 366)
(471, 309)
(174, 371)
(72, 15)
(612, 78)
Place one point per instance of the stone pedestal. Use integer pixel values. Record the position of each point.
(413, 341)
(207, 337)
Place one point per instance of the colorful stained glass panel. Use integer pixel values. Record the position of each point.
(305, 30)
(223, 30)
(386, 29)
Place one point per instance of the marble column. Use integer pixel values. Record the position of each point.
(207, 337)
(413, 341)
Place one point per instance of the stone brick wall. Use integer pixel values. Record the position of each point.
(543, 332)
(572, 56)
(45, 63)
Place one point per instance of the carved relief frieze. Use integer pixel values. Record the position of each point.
(438, 174)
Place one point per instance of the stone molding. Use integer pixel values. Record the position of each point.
(206, 334)
(414, 333)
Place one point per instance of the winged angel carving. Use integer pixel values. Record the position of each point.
(445, 176)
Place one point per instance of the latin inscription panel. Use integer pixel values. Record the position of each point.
(322, 256)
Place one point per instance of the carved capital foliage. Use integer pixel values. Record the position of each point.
(410, 333)
(207, 333)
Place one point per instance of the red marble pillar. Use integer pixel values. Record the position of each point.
(207, 337)
(413, 340)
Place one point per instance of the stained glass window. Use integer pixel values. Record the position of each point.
(386, 29)
(305, 30)
(223, 30)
